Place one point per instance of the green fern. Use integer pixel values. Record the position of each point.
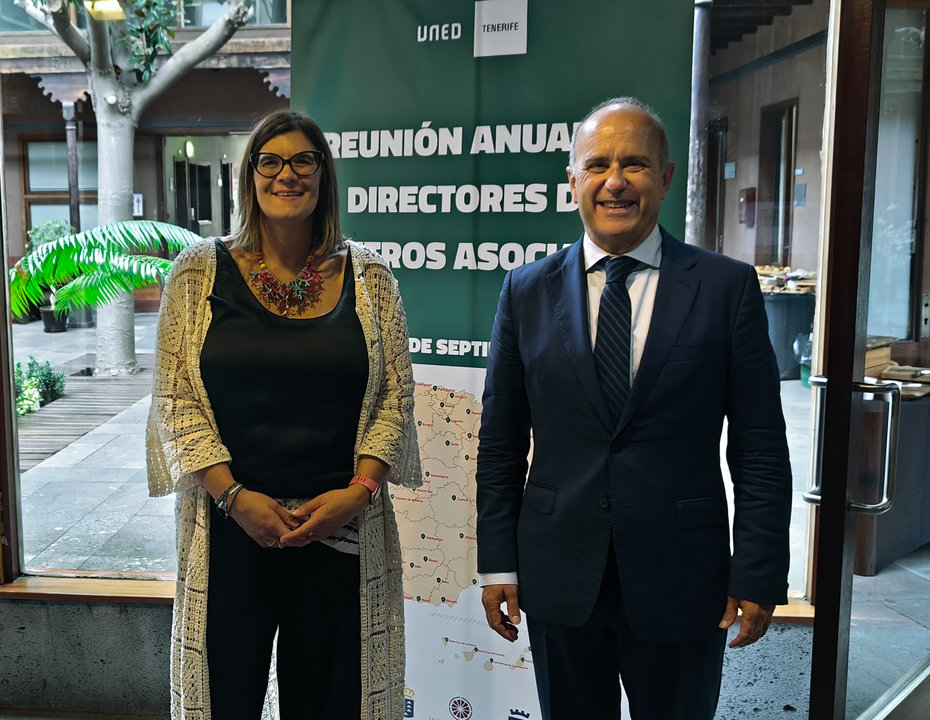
(93, 267)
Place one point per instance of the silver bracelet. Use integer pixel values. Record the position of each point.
(221, 501)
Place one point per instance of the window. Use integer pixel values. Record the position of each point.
(202, 13)
(46, 181)
(897, 203)
(47, 164)
(190, 13)
(13, 18)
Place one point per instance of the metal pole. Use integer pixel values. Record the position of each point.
(697, 146)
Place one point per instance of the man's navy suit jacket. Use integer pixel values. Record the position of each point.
(653, 481)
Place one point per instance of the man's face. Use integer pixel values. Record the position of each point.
(617, 179)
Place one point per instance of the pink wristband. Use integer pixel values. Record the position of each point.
(374, 487)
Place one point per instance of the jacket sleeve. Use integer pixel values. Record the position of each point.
(181, 436)
(757, 455)
(390, 434)
(503, 444)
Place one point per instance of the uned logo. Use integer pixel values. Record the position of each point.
(435, 33)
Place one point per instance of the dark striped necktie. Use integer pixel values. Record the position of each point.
(612, 344)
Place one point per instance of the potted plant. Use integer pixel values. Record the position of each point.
(46, 231)
(90, 268)
(53, 322)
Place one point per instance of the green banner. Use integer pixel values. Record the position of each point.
(452, 122)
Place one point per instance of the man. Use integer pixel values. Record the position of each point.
(617, 544)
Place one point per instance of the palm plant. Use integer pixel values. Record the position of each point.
(91, 268)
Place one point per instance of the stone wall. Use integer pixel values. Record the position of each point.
(84, 657)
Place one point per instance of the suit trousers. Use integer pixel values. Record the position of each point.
(578, 669)
(310, 596)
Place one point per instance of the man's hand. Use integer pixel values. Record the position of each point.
(504, 624)
(755, 622)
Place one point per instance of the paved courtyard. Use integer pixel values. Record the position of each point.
(86, 507)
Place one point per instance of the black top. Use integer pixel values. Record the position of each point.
(286, 393)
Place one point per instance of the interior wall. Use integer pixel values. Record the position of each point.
(741, 98)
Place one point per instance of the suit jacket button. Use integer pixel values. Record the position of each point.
(605, 503)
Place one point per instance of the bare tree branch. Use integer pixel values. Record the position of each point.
(100, 42)
(237, 14)
(54, 15)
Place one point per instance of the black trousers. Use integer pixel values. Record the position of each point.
(310, 596)
(578, 668)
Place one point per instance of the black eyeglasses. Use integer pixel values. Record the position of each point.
(304, 164)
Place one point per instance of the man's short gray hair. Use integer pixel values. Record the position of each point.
(630, 102)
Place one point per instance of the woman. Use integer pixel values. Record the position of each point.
(283, 401)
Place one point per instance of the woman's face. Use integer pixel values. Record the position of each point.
(287, 198)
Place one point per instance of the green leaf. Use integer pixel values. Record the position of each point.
(92, 267)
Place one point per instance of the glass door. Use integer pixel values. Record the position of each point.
(871, 561)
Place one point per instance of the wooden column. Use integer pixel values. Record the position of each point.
(74, 202)
(697, 145)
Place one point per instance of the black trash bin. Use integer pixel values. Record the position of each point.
(789, 313)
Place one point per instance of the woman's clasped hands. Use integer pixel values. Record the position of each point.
(269, 524)
(325, 514)
(262, 517)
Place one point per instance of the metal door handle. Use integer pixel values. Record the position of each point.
(813, 494)
(887, 389)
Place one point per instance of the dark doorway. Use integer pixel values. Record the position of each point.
(716, 188)
(226, 196)
(776, 182)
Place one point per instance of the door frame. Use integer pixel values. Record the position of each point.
(853, 84)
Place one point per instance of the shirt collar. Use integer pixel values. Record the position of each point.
(648, 252)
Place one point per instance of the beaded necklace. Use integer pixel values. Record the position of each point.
(303, 290)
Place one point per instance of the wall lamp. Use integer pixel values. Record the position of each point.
(104, 9)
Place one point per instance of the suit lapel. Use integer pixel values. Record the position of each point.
(675, 294)
(568, 290)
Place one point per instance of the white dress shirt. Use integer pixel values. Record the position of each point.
(641, 284)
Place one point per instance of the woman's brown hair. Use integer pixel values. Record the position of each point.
(327, 236)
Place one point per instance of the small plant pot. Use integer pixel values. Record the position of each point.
(53, 323)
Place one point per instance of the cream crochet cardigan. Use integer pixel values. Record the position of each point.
(182, 438)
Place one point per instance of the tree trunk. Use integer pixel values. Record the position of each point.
(116, 342)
